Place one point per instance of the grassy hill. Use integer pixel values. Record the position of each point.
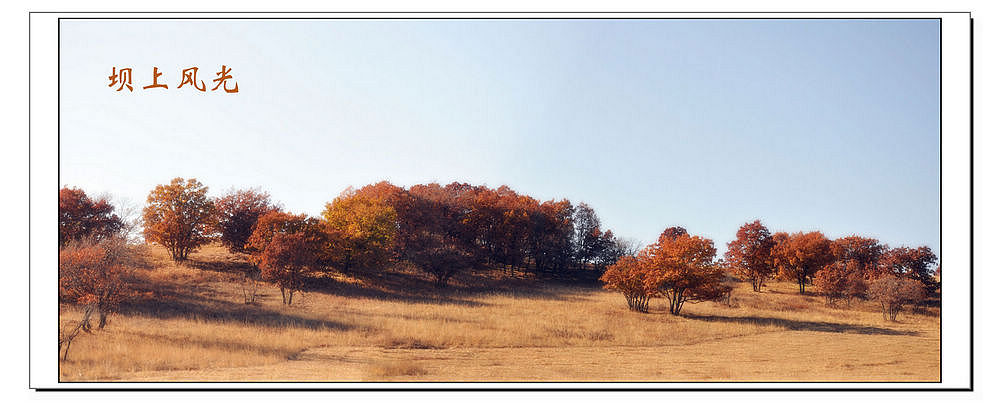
(194, 326)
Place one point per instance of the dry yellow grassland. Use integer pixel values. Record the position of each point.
(196, 327)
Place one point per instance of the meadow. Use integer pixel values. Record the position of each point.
(193, 325)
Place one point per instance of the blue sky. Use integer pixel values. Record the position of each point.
(804, 124)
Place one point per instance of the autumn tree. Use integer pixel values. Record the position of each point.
(865, 252)
(913, 263)
(237, 212)
(628, 277)
(430, 233)
(80, 217)
(841, 280)
(799, 256)
(749, 255)
(682, 268)
(361, 230)
(285, 261)
(278, 263)
(280, 222)
(892, 293)
(179, 216)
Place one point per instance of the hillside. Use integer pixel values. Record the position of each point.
(193, 325)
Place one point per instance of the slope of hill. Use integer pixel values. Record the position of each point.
(195, 326)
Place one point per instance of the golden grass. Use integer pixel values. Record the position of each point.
(198, 328)
(395, 369)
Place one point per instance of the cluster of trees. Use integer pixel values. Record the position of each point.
(443, 230)
(681, 268)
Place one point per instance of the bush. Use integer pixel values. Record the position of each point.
(91, 273)
(627, 277)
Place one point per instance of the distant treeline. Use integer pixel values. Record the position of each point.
(442, 229)
(446, 230)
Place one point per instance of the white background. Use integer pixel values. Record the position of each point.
(15, 380)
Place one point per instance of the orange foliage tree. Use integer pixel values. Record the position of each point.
(80, 216)
(749, 255)
(799, 256)
(179, 216)
(627, 276)
(362, 231)
(682, 268)
(237, 212)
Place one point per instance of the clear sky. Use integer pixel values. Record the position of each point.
(804, 124)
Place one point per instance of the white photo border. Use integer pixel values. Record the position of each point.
(956, 208)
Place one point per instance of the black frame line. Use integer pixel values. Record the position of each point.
(530, 389)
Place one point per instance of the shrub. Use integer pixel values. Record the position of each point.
(91, 273)
(627, 277)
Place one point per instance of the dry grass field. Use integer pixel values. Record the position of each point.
(398, 327)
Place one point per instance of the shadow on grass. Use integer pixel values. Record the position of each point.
(413, 287)
(170, 301)
(231, 267)
(798, 325)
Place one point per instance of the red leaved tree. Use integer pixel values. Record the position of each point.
(237, 212)
(865, 252)
(285, 262)
(913, 263)
(749, 255)
(80, 217)
(842, 280)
